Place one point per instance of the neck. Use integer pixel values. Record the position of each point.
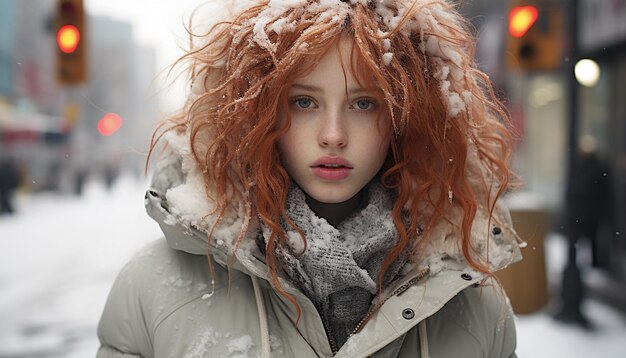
(335, 213)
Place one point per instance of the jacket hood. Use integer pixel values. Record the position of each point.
(177, 201)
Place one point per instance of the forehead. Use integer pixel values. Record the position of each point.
(341, 60)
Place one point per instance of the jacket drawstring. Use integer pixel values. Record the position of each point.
(423, 339)
(265, 337)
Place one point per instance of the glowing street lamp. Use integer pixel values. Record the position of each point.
(587, 72)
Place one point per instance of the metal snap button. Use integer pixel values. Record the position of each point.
(408, 313)
(496, 231)
(466, 277)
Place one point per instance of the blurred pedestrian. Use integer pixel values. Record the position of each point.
(80, 176)
(330, 189)
(589, 201)
(588, 205)
(110, 175)
(9, 181)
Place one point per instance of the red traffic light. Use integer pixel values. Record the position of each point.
(109, 124)
(68, 38)
(521, 19)
(71, 39)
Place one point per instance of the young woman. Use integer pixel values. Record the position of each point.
(331, 189)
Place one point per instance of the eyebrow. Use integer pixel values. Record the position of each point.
(316, 89)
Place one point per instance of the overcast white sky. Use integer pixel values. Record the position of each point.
(156, 22)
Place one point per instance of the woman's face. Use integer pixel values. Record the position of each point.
(334, 146)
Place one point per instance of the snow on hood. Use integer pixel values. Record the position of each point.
(177, 201)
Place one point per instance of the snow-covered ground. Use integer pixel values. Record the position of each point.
(61, 254)
(58, 260)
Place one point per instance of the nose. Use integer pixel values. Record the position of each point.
(333, 132)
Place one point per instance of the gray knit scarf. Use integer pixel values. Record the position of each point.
(339, 269)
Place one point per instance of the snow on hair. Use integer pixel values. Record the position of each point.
(424, 16)
(419, 53)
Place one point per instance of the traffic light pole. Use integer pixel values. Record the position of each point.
(572, 86)
(572, 289)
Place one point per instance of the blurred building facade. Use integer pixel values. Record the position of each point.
(7, 44)
(30, 105)
(50, 130)
(548, 124)
(602, 108)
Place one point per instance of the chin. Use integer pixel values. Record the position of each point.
(330, 200)
(331, 196)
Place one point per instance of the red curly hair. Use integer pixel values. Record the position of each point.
(243, 75)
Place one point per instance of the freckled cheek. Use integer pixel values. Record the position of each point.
(372, 135)
(382, 149)
(287, 149)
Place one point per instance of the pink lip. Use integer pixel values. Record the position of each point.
(332, 173)
(332, 160)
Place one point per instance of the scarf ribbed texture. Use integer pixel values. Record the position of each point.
(339, 269)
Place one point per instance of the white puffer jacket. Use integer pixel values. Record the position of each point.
(165, 303)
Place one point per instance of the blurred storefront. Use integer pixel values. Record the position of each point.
(602, 114)
(550, 112)
(37, 146)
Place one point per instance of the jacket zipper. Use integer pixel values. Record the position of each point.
(398, 291)
(331, 340)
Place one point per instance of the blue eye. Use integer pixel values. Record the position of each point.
(303, 102)
(364, 104)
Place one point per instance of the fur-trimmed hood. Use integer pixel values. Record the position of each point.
(177, 201)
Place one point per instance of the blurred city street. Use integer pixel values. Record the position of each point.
(84, 83)
(61, 254)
